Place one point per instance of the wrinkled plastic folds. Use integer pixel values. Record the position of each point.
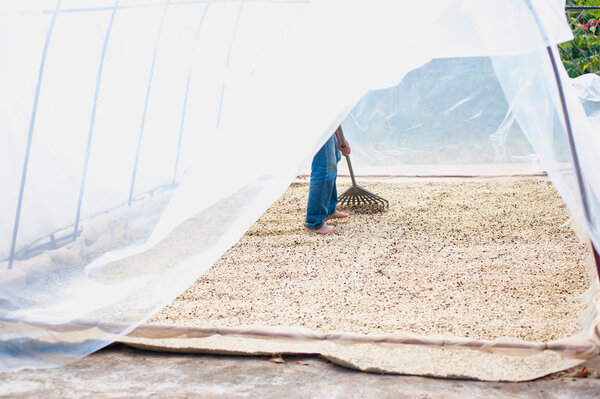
(122, 120)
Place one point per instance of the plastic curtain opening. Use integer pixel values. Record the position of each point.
(131, 129)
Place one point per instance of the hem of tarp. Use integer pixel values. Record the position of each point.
(157, 331)
(285, 340)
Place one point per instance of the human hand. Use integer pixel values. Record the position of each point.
(339, 135)
(345, 150)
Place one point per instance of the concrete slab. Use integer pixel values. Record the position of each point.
(123, 372)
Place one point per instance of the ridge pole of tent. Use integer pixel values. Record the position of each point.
(13, 244)
(568, 126)
(93, 119)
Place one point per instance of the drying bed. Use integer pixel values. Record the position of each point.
(465, 264)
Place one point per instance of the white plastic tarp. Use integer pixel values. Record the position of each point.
(123, 119)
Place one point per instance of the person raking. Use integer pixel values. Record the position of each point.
(322, 193)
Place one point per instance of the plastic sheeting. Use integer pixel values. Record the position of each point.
(123, 119)
(451, 123)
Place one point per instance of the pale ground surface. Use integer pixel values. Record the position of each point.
(122, 372)
(478, 259)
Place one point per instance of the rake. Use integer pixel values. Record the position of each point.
(357, 195)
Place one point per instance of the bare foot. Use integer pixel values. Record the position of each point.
(337, 215)
(325, 229)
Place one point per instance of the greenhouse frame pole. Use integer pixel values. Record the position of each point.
(146, 102)
(13, 245)
(88, 147)
(186, 97)
(569, 128)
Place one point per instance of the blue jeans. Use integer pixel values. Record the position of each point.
(322, 194)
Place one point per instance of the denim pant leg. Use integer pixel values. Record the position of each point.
(322, 194)
(334, 198)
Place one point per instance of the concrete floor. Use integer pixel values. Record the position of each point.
(122, 372)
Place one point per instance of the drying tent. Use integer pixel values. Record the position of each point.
(125, 123)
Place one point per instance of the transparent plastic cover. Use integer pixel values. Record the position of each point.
(122, 120)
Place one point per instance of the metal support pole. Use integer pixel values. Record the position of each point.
(38, 86)
(343, 143)
(571, 8)
(146, 102)
(186, 97)
(93, 120)
(568, 126)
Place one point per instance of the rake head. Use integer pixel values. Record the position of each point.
(357, 195)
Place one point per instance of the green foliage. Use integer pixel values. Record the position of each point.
(582, 54)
